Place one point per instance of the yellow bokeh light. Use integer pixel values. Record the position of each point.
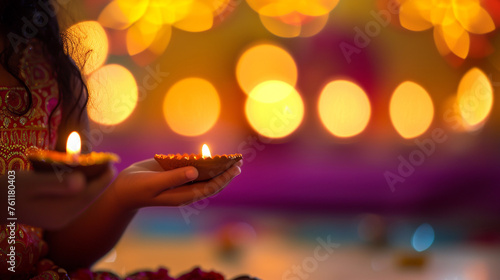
(274, 8)
(172, 10)
(162, 40)
(148, 23)
(274, 109)
(140, 36)
(473, 17)
(475, 98)
(279, 28)
(148, 33)
(440, 42)
(293, 18)
(200, 18)
(87, 45)
(263, 63)
(113, 94)
(413, 15)
(344, 108)
(120, 14)
(294, 26)
(456, 38)
(191, 106)
(453, 19)
(411, 110)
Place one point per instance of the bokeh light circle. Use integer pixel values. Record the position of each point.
(423, 238)
(265, 62)
(199, 18)
(294, 25)
(475, 97)
(120, 14)
(411, 110)
(274, 109)
(113, 94)
(344, 108)
(191, 106)
(276, 8)
(88, 45)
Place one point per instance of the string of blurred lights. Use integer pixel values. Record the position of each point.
(267, 73)
(145, 26)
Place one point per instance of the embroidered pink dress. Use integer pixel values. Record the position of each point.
(19, 133)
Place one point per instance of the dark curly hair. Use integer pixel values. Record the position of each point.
(41, 18)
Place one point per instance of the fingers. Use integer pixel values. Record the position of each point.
(50, 184)
(191, 193)
(146, 165)
(157, 182)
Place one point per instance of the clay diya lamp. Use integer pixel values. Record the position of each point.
(92, 165)
(208, 166)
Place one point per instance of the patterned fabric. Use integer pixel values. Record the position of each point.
(19, 134)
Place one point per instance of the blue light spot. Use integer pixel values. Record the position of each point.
(423, 238)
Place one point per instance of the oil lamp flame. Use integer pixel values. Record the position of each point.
(205, 152)
(74, 145)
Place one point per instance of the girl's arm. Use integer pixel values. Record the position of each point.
(93, 233)
(144, 184)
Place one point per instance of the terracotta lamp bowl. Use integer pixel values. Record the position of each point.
(207, 167)
(92, 165)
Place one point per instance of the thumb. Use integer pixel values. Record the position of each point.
(164, 180)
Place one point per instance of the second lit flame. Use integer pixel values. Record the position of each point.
(205, 152)
(73, 145)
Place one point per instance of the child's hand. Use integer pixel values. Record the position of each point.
(145, 184)
(44, 200)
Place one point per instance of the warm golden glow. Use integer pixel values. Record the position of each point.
(205, 151)
(263, 63)
(191, 106)
(475, 98)
(140, 36)
(274, 109)
(274, 8)
(457, 39)
(120, 14)
(148, 23)
(88, 45)
(113, 94)
(74, 144)
(415, 15)
(411, 110)
(294, 25)
(199, 18)
(472, 16)
(293, 18)
(453, 19)
(344, 108)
